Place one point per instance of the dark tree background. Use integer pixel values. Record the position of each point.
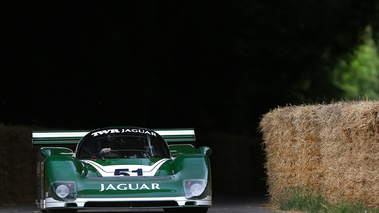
(208, 64)
(213, 65)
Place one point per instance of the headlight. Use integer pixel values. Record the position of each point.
(194, 188)
(63, 190)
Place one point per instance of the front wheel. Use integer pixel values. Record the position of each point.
(187, 210)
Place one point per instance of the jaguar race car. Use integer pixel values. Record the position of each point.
(122, 167)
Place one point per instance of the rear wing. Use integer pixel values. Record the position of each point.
(172, 136)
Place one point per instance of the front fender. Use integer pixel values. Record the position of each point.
(194, 169)
(192, 166)
(63, 168)
(45, 152)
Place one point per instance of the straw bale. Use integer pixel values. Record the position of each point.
(292, 148)
(350, 151)
(332, 148)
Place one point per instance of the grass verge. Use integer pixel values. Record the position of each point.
(308, 200)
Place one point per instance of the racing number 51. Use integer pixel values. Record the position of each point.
(125, 172)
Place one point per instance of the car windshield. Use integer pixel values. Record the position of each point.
(123, 146)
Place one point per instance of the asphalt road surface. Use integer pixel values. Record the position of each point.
(236, 204)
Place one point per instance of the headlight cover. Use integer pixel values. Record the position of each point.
(195, 188)
(64, 190)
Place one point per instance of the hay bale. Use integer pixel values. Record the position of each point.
(333, 149)
(292, 148)
(350, 150)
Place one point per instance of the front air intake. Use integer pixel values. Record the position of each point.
(132, 204)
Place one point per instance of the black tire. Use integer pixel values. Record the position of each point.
(187, 210)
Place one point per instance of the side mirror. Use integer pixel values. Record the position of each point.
(205, 150)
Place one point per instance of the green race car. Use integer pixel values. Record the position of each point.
(122, 167)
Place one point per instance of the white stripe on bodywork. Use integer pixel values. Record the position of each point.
(58, 134)
(82, 134)
(175, 132)
(181, 200)
(108, 171)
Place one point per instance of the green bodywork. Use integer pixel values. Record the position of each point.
(59, 165)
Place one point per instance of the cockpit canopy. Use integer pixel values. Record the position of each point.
(122, 143)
